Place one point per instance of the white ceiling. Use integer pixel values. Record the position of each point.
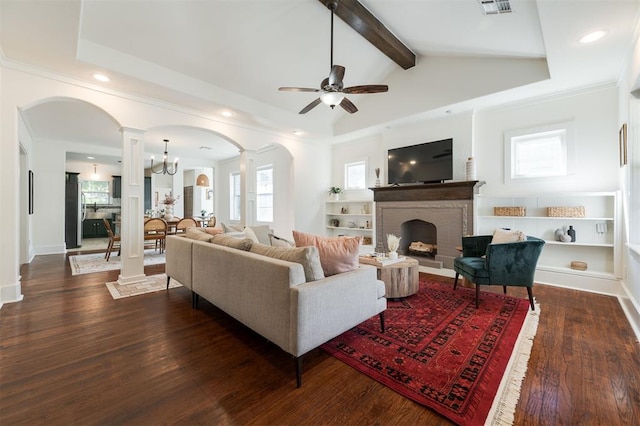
(217, 55)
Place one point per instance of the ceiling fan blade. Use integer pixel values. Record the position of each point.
(367, 88)
(311, 106)
(348, 106)
(336, 75)
(297, 89)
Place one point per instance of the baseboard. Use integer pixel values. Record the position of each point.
(631, 310)
(10, 293)
(51, 249)
(606, 285)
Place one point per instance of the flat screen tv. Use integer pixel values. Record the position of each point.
(430, 162)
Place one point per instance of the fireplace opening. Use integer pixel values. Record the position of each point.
(419, 238)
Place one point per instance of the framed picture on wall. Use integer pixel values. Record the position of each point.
(622, 141)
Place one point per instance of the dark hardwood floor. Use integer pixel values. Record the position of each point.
(70, 354)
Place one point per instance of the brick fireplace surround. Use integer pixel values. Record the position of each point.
(439, 212)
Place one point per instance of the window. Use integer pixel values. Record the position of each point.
(234, 196)
(355, 175)
(264, 194)
(95, 191)
(543, 152)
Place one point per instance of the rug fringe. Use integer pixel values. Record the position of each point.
(503, 409)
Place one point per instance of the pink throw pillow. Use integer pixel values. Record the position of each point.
(337, 254)
(213, 231)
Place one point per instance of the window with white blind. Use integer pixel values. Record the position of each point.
(264, 194)
(543, 152)
(234, 196)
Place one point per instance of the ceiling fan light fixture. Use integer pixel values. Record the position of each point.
(494, 7)
(332, 98)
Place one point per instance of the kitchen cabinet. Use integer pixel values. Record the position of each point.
(94, 228)
(117, 187)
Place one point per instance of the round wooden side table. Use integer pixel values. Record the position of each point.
(400, 279)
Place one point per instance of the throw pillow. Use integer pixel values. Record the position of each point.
(337, 254)
(213, 231)
(197, 234)
(261, 233)
(308, 257)
(501, 236)
(231, 228)
(233, 242)
(280, 242)
(248, 232)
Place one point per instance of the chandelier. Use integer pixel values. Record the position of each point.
(165, 169)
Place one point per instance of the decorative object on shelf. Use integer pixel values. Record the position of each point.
(558, 234)
(334, 222)
(344, 210)
(334, 192)
(572, 233)
(165, 169)
(367, 241)
(471, 169)
(364, 209)
(566, 238)
(368, 225)
(393, 242)
(352, 225)
(377, 177)
(510, 211)
(579, 265)
(566, 211)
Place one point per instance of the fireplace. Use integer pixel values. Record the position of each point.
(430, 217)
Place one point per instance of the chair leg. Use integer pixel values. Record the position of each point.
(530, 292)
(477, 295)
(382, 321)
(107, 255)
(504, 288)
(168, 279)
(455, 281)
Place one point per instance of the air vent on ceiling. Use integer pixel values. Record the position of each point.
(493, 7)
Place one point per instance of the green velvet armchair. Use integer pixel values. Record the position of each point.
(505, 264)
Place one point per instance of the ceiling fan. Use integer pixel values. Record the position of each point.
(332, 88)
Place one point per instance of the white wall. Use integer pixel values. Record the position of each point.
(594, 113)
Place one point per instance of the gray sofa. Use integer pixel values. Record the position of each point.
(272, 296)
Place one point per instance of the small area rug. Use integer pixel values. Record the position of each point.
(152, 284)
(95, 262)
(442, 352)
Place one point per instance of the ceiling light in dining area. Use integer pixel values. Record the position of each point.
(592, 36)
(202, 180)
(101, 77)
(165, 168)
(95, 175)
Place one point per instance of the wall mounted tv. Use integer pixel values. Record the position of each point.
(430, 162)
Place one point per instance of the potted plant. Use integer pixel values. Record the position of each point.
(334, 192)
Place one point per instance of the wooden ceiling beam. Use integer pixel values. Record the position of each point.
(360, 19)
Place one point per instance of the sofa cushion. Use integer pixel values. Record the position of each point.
(280, 242)
(197, 234)
(337, 254)
(308, 257)
(233, 242)
(260, 233)
(501, 236)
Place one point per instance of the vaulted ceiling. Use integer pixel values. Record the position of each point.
(233, 55)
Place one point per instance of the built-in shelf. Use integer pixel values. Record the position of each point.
(353, 217)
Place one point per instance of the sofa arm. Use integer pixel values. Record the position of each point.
(324, 309)
(178, 254)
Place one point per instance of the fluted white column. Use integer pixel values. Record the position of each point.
(132, 227)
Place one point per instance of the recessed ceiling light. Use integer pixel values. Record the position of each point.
(227, 113)
(101, 77)
(298, 132)
(91, 158)
(592, 36)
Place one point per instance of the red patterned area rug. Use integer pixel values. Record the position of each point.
(442, 352)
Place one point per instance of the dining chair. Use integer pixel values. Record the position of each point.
(185, 223)
(113, 240)
(155, 229)
(211, 221)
